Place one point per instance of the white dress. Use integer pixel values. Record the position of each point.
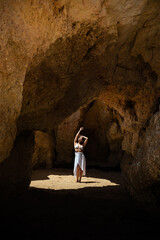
(79, 160)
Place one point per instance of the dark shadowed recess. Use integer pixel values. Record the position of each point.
(90, 213)
(16, 170)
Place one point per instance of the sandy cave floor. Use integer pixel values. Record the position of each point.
(57, 207)
(61, 179)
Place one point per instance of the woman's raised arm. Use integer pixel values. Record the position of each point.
(85, 141)
(77, 135)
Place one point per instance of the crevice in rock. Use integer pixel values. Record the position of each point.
(89, 51)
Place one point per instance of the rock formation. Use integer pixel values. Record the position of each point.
(142, 174)
(44, 150)
(64, 136)
(58, 57)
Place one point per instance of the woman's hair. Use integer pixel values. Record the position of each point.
(82, 139)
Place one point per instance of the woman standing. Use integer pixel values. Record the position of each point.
(79, 161)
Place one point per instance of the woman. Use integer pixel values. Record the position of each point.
(79, 161)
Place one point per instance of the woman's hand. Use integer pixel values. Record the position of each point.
(78, 134)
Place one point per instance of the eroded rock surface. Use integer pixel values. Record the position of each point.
(16, 170)
(44, 150)
(59, 56)
(64, 137)
(142, 175)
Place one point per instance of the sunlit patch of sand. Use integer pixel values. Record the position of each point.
(59, 179)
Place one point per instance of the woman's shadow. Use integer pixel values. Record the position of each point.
(89, 181)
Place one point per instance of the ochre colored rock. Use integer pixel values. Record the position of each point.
(142, 174)
(57, 57)
(16, 170)
(64, 138)
(102, 143)
(44, 152)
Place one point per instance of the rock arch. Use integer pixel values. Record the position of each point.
(59, 56)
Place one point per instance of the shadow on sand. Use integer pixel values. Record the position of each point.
(88, 213)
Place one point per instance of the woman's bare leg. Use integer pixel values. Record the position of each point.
(81, 173)
(78, 172)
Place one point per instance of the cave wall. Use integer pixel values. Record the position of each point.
(142, 173)
(16, 170)
(64, 137)
(58, 56)
(44, 150)
(104, 136)
(98, 37)
(104, 147)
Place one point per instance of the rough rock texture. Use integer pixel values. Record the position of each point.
(132, 112)
(105, 138)
(142, 175)
(59, 56)
(104, 147)
(16, 170)
(43, 150)
(64, 137)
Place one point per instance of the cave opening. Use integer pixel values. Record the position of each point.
(93, 75)
(67, 64)
(54, 115)
(113, 103)
(104, 148)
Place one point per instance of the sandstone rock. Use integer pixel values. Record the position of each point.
(59, 56)
(105, 139)
(43, 155)
(132, 112)
(64, 138)
(16, 170)
(79, 32)
(142, 174)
